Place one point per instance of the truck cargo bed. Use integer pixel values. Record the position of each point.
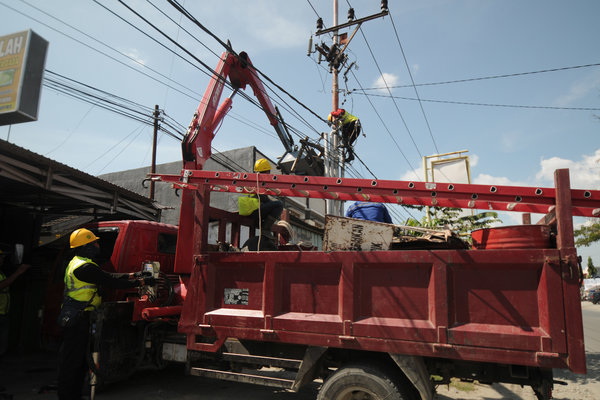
(506, 306)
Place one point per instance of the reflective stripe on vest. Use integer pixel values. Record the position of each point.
(77, 289)
(4, 297)
(247, 203)
(347, 118)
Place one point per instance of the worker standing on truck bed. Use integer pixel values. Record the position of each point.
(369, 211)
(261, 207)
(282, 229)
(82, 278)
(350, 126)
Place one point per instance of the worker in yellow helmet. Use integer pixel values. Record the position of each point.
(261, 207)
(350, 129)
(83, 276)
(5, 282)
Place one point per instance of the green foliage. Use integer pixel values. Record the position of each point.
(591, 269)
(449, 218)
(587, 235)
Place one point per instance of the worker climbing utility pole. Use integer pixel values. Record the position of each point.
(334, 159)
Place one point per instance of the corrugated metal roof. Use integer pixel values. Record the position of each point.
(41, 185)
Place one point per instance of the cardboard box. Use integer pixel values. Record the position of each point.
(356, 234)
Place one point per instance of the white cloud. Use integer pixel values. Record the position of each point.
(259, 25)
(584, 173)
(579, 90)
(386, 78)
(136, 55)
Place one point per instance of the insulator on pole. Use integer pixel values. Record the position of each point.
(350, 14)
(320, 24)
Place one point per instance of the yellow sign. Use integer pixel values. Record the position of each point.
(13, 49)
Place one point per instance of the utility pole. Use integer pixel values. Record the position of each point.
(334, 160)
(154, 136)
(333, 206)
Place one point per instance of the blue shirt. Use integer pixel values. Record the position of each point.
(369, 211)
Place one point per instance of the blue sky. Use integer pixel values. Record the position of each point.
(442, 41)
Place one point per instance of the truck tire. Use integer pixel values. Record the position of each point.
(364, 382)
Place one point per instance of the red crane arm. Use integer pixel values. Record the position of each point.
(196, 145)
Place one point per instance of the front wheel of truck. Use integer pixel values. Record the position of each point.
(364, 382)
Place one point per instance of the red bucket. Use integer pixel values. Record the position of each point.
(512, 237)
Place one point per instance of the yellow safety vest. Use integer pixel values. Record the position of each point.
(347, 118)
(247, 203)
(80, 290)
(4, 297)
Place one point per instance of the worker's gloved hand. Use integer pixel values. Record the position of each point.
(149, 281)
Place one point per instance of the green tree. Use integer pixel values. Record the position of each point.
(587, 234)
(591, 270)
(444, 217)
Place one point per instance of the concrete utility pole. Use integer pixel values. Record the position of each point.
(335, 207)
(334, 160)
(154, 136)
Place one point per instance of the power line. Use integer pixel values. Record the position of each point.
(390, 92)
(181, 9)
(311, 6)
(244, 95)
(387, 129)
(105, 54)
(122, 149)
(99, 51)
(489, 77)
(413, 84)
(484, 104)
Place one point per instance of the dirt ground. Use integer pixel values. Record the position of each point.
(34, 376)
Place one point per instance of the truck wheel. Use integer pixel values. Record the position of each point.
(363, 382)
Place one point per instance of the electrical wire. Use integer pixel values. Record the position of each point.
(112, 148)
(186, 13)
(413, 83)
(388, 88)
(490, 77)
(97, 50)
(311, 6)
(111, 48)
(71, 133)
(386, 128)
(485, 104)
(390, 92)
(141, 128)
(213, 72)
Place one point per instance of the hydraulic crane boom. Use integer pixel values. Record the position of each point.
(196, 146)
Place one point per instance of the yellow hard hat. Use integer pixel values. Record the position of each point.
(329, 118)
(82, 237)
(262, 165)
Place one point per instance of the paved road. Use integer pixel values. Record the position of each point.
(25, 376)
(580, 387)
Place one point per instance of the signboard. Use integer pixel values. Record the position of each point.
(452, 170)
(22, 60)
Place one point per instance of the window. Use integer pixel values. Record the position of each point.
(167, 243)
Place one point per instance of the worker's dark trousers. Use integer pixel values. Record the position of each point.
(72, 364)
(268, 209)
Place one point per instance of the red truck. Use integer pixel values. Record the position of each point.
(388, 324)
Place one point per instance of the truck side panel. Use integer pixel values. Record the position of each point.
(481, 305)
